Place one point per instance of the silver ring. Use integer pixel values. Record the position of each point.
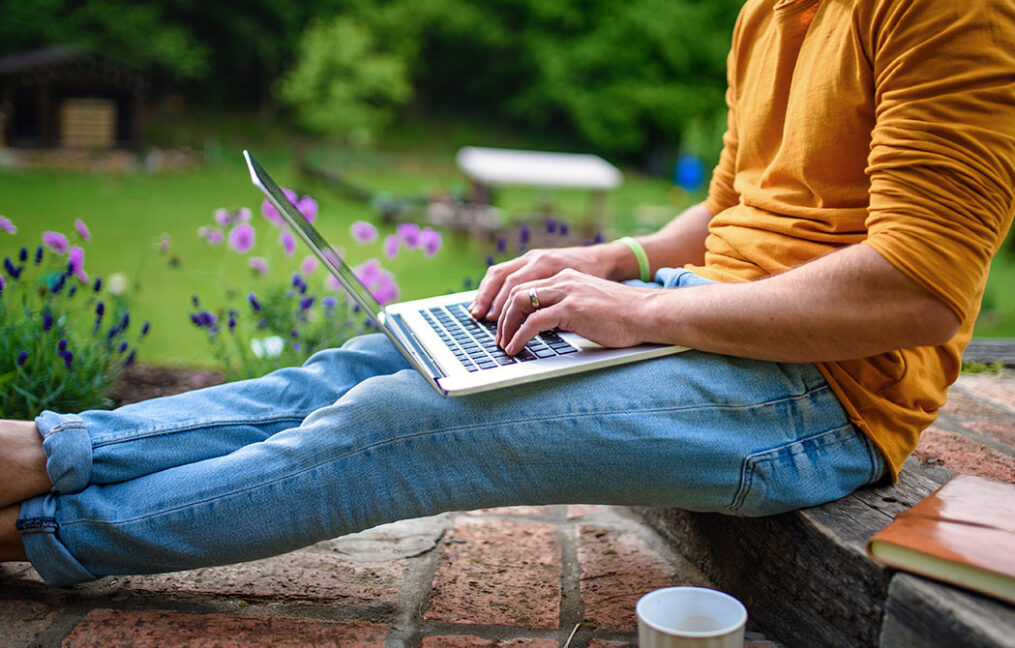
(534, 298)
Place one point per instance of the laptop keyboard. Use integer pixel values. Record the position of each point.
(471, 340)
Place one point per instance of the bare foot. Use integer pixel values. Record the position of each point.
(22, 462)
(11, 547)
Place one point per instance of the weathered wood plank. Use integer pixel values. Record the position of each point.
(921, 613)
(804, 576)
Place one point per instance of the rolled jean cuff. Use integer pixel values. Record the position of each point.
(38, 528)
(68, 451)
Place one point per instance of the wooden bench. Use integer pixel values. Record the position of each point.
(806, 578)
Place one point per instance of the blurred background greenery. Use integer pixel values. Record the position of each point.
(383, 93)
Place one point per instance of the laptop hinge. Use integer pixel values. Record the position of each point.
(410, 341)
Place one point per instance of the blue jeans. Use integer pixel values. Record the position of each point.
(356, 438)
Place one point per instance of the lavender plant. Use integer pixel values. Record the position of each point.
(291, 308)
(64, 338)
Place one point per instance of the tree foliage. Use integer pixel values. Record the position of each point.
(341, 83)
(622, 78)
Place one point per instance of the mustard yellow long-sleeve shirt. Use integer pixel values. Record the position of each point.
(889, 123)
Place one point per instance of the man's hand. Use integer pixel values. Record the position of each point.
(603, 311)
(598, 261)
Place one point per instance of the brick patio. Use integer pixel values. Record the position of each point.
(539, 577)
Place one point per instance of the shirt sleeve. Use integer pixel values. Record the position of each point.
(721, 193)
(943, 146)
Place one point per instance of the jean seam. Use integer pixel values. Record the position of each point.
(166, 431)
(67, 425)
(415, 435)
(753, 460)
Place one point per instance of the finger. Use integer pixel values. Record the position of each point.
(519, 306)
(544, 319)
(491, 285)
(526, 273)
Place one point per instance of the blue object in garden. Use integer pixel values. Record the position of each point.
(689, 173)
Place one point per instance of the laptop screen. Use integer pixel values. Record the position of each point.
(314, 240)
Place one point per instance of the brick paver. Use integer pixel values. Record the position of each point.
(498, 572)
(617, 568)
(139, 628)
(961, 454)
(301, 575)
(21, 622)
(994, 387)
(468, 641)
(1003, 433)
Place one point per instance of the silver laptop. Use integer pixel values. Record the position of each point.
(452, 350)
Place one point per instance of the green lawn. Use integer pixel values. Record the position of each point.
(129, 214)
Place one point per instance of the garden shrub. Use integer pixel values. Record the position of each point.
(64, 336)
(292, 306)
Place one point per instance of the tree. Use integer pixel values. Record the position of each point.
(342, 83)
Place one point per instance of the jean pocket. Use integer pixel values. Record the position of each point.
(807, 472)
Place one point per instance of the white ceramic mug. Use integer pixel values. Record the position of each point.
(690, 617)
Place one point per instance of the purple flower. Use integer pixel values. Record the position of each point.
(76, 263)
(501, 245)
(288, 242)
(260, 264)
(130, 359)
(214, 236)
(124, 322)
(256, 305)
(523, 234)
(243, 215)
(564, 229)
(232, 322)
(47, 321)
(430, 241)
(391, 245)
(59, 283)
(551, 225)
(241, 237)
(271, 214)
(308, 265)
(363, 232)
(11, 269)
(308, 207)
(82, 229)
(55, 241)
(490, 260)
(599, 238)
(61, 346)
(222, 217)
(329, 302)
(368, 271)
(38, 255)
(6, 224)
(22, 358)
(408, 232)
(123, 347)
(269, 211)
(100, 309)
(97, 286)
(306, 303)
(144, 329)
(68, 360)
(385, 291)
(195, 301)
(3, 283)
(377, 280)
(23, 254)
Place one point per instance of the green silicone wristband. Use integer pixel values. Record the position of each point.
(639, 253)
